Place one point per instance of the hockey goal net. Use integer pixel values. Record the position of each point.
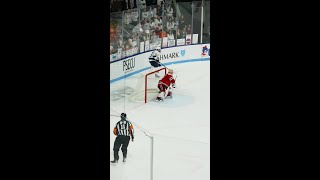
(147, 86)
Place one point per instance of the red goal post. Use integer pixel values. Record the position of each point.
(146, 81)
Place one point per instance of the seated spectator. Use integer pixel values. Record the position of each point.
(145, 13)
(158, 21)
(128, 44)
(170, 24)
(156, 28)
(159, 11)
(154, 12)
(127, 18)
(134, 40)
(180, 34)
(134, 16)
(188, 29)
(132, 4)
(137, 28)
(147, 35)
(164, 18)
(127, 47)
(169, 11)
(152, 24)
(183, 32)
(143, 21)
(170, 35)
(162, 34)
(119, 44)
(176, 23)
(141, 4)
(181, 22)
(142, 37)
(154, 37)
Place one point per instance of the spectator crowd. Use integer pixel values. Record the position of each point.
(135, 21)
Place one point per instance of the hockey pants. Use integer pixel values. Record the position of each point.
(120, 140)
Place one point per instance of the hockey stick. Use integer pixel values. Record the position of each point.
(163, 65)
(175, 79)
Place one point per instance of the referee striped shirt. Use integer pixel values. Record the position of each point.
(124, 128)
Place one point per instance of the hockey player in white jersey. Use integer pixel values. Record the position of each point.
(154, 59)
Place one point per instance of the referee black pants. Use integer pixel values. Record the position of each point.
(120, 140)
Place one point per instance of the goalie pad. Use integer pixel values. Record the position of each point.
(165, 92)
(162, 95)
(168, 92)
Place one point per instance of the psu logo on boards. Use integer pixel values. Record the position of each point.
(129, 64)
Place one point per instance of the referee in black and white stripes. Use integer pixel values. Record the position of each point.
(123, 130)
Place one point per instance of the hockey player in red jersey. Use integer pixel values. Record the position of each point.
(165, 85)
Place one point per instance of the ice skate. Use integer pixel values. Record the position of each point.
(124, 159)
(159, 99)
(114, 161)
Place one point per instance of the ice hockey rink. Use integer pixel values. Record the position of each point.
(180, 128)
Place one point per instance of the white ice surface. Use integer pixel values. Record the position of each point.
(180, 127)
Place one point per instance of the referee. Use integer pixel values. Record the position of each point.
(123, 130)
